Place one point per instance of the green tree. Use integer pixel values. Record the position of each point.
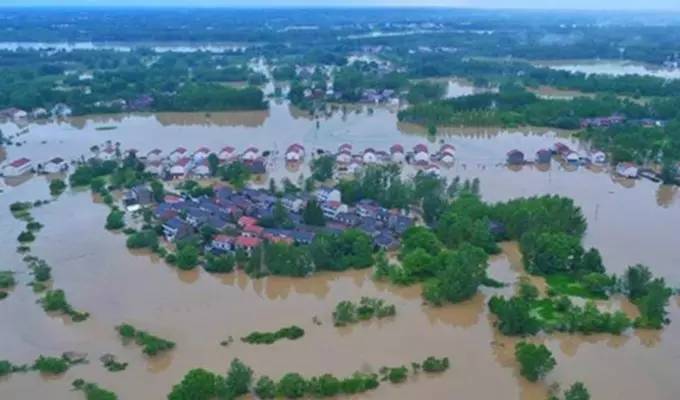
(265, 388)
(313, 215)
(322, 168)
(292, 386)
(115, 220)
(236, 173)
(157, 190)
(514, 316)
(577, 391)
(197, 384)
(239, 378)
(535, 360)
(213, 164)
(57, 187)
(187, 256)
(461, 273)
(635, 280)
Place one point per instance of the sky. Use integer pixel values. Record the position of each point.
(529, 4)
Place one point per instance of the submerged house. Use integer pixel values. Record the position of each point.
(18, 167)
(55, 166)
(515, 157)
(543, 156)
(397, 153)
(627, 170)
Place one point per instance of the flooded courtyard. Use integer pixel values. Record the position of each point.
(628, 221)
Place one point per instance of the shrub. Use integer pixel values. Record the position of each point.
(57, 187)
(7, 279)
(115, 220)
(151, 345)
(51, 365)
(433, 364)
(26, 237)
(290, 333)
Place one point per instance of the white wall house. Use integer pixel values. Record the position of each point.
(627, 170)
(369, 156)
(227, 153)
(18, 167)
(55, 166)
(154, 155)
(178, 154)
(250, 154)
(180, 168)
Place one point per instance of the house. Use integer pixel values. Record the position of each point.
(331, 209)
(543, 156)
(325, 194)
(397, 153)
(601, 122)
(598, 157)
(39, 113)
(572, 157)
(354, 166)
(432, 170)
(223, 242)
(295, 152)
(399, 223)
(369, 156)
(181, 168)
(345, 147)
(107, 154)
(250, 154)
(561, 149)
(201, 168)
(420, 153)
(247, 244)
(292, 203)
(154, 155)
(13, 114)
(348, 218)
(446, 158)
(252, 230)
(515, 157)
(176, 229)
(18, 167)
(256, 167)
(201, 154)
(61, 110)
(385, 241)
(245, 221)
(197, 217)
(154, 167)
(343, 157)
(227, 153)
(178, 154)
(139, 194)
(302, 237)
(55, 166)
(448, 149)
(627, 170)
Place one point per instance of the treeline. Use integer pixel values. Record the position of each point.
(210, 97)
(515, 106)
(199, 384)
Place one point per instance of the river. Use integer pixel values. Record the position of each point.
(629, 222)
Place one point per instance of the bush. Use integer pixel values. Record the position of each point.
(220, 264)
(433, 364)
(20, 206)
(292, 386)
(535, 360)
(93, 391)
(34, 226)
(51, 365)
(397, 375)
(144, 239)
(26, 237)
(265, 388)
(115, 220)
(151, 345)
(290, 333)
(347, 312)
(7, 279)
(187, 256)
(57, 187)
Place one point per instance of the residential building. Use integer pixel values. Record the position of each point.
(627, 170)
(175, 229)
(181, 168)
(55, 166)
(18, 167)
(515, 157)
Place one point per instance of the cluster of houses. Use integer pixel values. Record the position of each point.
(180, 163)
(617, 119)
(544, 156)
(349, 162)
(59, 110)
(23, 165)
(240, 212)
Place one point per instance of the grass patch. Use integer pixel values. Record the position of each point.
(569, 285)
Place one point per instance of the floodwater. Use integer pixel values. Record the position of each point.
(612, 67)
(171, 47)
(629, 222)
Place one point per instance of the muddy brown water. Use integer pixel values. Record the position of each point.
(629, 223)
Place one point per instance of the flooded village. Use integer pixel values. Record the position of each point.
(146, 241)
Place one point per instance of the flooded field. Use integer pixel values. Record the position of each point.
(612, 67)
(630, 222)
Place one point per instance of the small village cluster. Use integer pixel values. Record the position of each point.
(240, 212)
(349, 162)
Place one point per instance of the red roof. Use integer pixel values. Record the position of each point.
(228, 149)
(446, 147)
(156, 151)
(420, 148)
(245, 241)
(397, 148)
(203, 150)
(183, 162)
(253, 149)
(108, 150)
(224, 239)
(369, 150)
(245, 221)
(171, 199)
(253, 229)
(296, 147)
(345, 146)
(20, 162)
(180, 150)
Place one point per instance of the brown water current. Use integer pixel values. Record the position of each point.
(629, 222)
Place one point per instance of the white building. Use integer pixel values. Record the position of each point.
(432, 170)
(331, 209)
(250, 154)
(202, 168)
(343, 157)
(325, 195)
(227, 153)
(397, 153)
(154, 167)
(178, 154)
(181, 168)
(107, 154)
(598, 157)
(627, 170)
(61, 110)
(369, 156)
(154, 155)
(201, 154)
(18, 167)
(573, 157)
(55, 166)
